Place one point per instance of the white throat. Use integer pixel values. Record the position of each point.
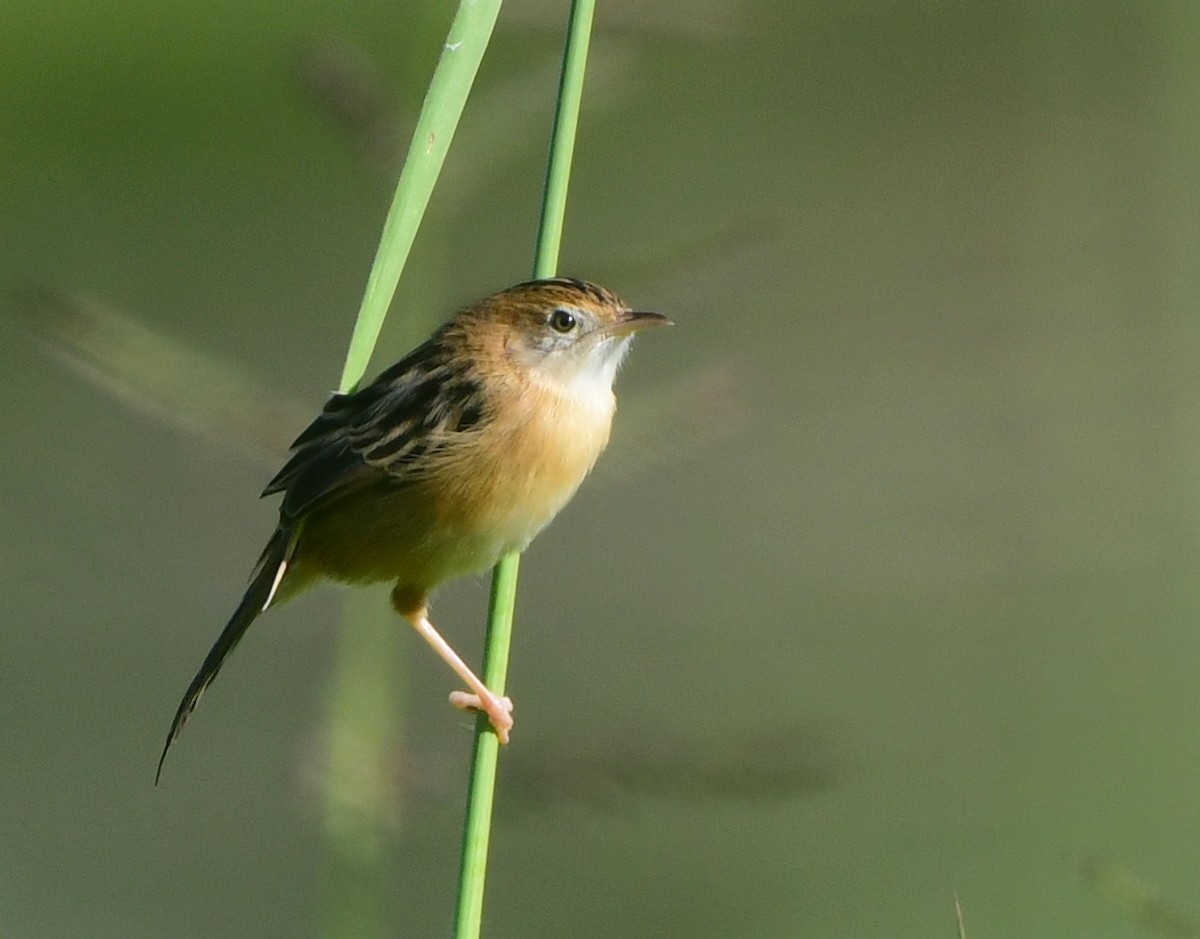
(587, 381)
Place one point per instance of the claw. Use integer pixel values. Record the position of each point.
(498, 710)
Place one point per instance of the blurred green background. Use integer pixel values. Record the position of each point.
(888, 590)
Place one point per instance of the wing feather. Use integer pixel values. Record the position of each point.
(381, 433)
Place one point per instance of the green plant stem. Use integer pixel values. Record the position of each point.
(481, 795)
(444, 102)
(562, 138)
(361, 725)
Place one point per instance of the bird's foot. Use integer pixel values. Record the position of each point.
(498, 710)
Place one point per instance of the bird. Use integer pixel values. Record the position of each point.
(458, 454)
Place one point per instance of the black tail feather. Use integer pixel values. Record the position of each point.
(258, 596)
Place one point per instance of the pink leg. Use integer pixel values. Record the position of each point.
(498, 710)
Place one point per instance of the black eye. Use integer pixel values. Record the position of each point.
(561, 321)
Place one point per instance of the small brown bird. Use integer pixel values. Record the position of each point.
(458, 454)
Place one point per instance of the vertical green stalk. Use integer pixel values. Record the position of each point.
(562, 138)
(481, 796)
(362, 724)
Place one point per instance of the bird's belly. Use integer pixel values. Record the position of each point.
(460, 518)
(402, 535)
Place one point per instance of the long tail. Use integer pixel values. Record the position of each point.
(264, 583)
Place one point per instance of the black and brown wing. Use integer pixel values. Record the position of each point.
(382, 431)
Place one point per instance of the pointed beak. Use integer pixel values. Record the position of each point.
(633, 321)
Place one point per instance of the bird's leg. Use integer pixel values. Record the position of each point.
(498, 709)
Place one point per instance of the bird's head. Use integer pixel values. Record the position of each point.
(565, 333)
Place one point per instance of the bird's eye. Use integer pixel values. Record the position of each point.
(561, 321)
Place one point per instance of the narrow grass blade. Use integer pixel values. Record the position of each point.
(444, 102)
